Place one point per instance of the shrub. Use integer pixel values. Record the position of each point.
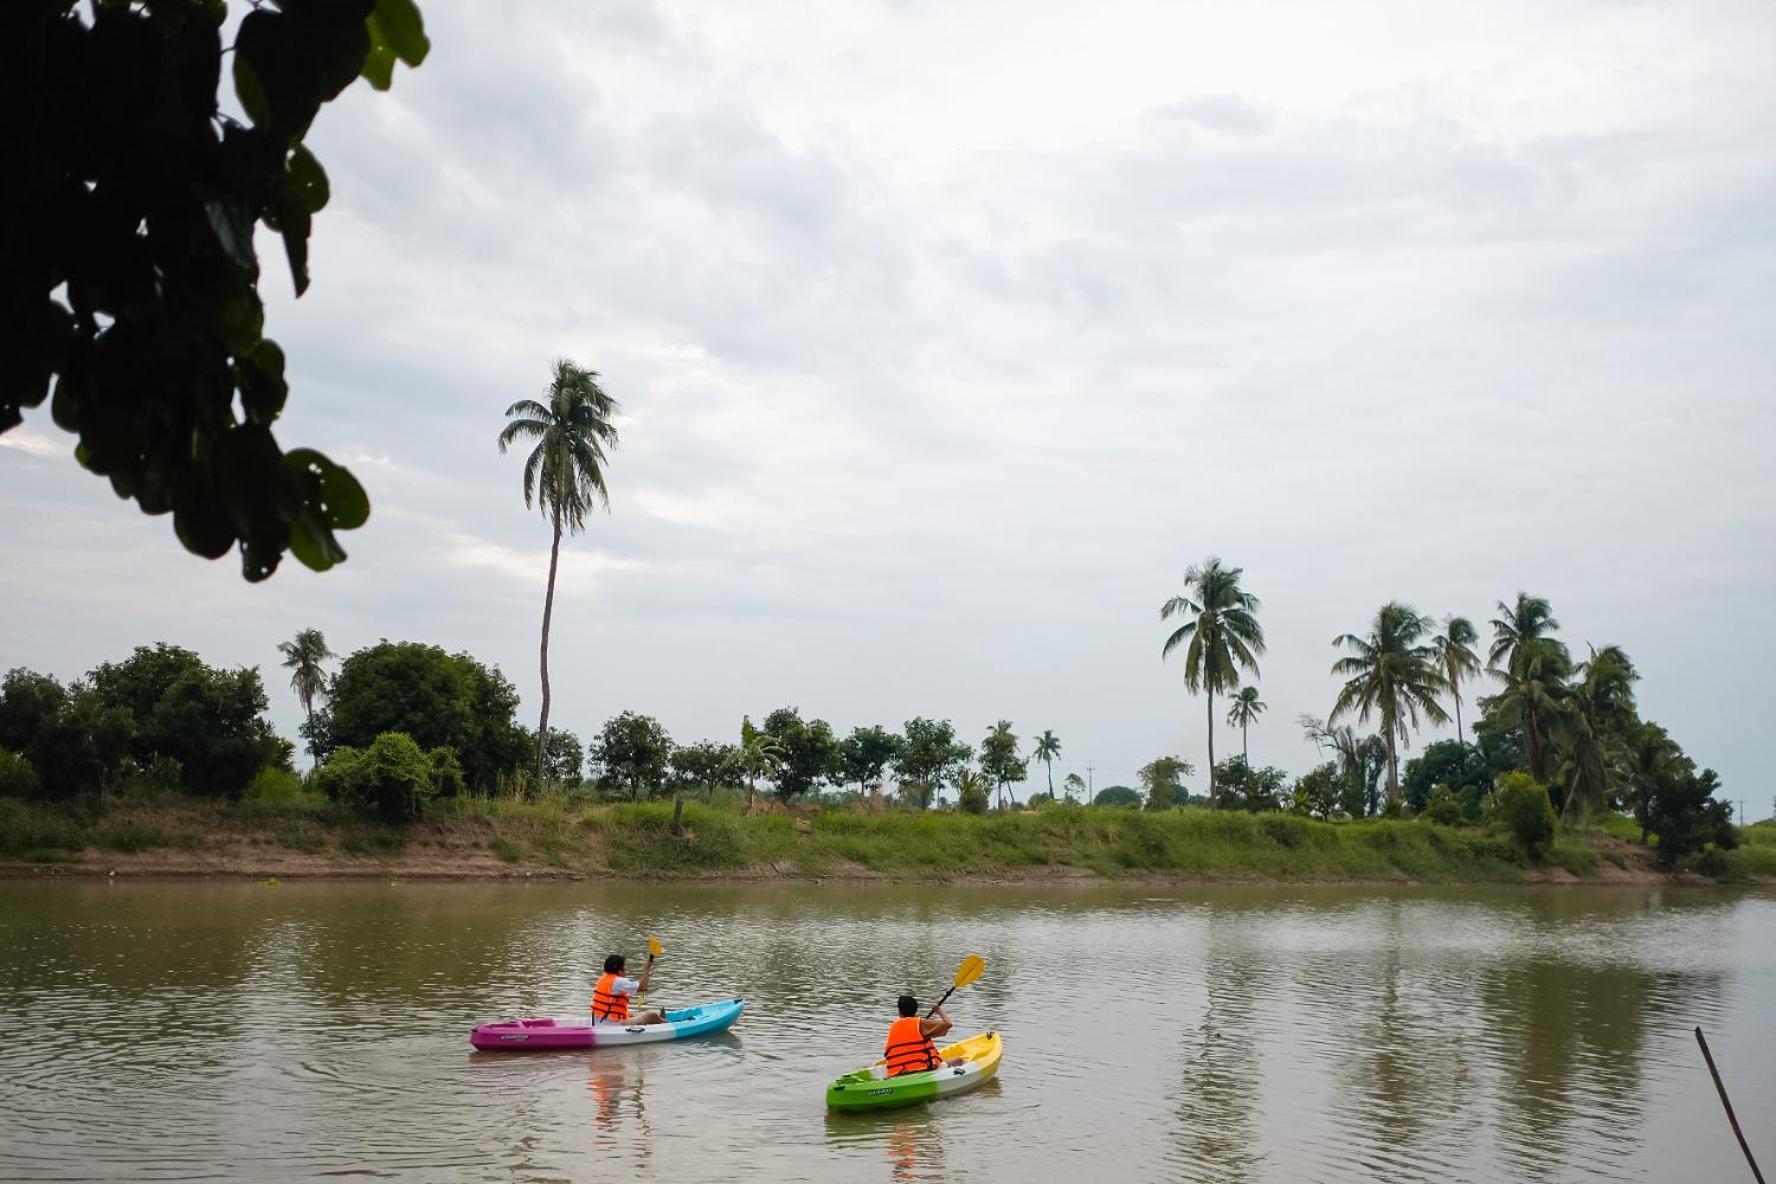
(279, 793)
(1118, 795)
(1523, 807)
(1443, 807)
(972, 795)
(391, 780)
(18, 776)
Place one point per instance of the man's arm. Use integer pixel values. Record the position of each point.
(937, 1026)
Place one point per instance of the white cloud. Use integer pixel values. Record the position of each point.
(948, 335)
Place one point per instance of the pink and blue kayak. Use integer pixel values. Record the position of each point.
(533, 1035)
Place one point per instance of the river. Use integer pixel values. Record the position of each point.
(231, 1030)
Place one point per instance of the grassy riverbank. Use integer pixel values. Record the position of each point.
(563, 836)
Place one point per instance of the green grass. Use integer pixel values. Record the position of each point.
(39, 834)
(568, 832)
(1759, 834)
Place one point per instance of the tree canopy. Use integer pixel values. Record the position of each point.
(129, 278)
(437, 698)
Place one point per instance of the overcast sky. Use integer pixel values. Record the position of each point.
(948, 334)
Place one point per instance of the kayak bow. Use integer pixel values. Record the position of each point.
(870, 1089)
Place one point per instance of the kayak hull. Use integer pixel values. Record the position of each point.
(542, 1033)
(869, 1089)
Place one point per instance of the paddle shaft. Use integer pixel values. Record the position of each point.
(952, 991)
(1731, 1117)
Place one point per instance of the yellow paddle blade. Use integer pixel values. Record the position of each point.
(972, 968)
(655, 949)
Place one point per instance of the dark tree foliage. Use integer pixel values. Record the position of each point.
(930, 756)
(864, 755)
(1245, 788)
(1318, 791)
(632, 753)
(810, 751)
(1462, 767)
(128, 275)
(441, 700)
(211, 721)
(27, 701)
(707, 764)
(563, 758)
(1685, 814)
(78, 751)
(1118, 795)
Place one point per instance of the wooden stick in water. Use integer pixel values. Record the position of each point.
(1731, 1117)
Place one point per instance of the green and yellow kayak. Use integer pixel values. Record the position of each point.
(871, 1089)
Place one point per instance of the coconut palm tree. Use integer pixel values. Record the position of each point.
(1534, 700)
(1048, 746)
(1392, 674)
(303, 655)
(564, 475)
(1593, 730)
(1221, 634)
(1456, 660)
(1520, 628)
(1246, 707)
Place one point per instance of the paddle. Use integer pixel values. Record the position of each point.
(655, 949)
(972, 968)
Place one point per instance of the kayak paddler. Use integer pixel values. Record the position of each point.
(612, 992)
(909, 1048)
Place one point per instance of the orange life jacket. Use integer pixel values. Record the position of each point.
(606, 1003)
(908, 1049)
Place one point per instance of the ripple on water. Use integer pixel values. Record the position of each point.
(197, 1032)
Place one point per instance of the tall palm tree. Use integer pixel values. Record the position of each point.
(1520, 628)
(1220, 635)
(564, 475)
(1392, 674)
(1456, 660)
(303, 655)
(1594, 729)
(1246, 707)
(1534, 699)
(1048, 746)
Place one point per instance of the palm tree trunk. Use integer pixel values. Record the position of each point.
(1458, 722)
(1245, 749)
(1393, 769)
(1214, 800)
(1051, 778)
(548, 612)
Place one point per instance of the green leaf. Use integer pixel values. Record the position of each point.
(379, 62)
(251, 91)
(260, 374)
(343, 502)
(293, 223)
(308, 178)
(240, 320)
(314, 545)
(403, 29)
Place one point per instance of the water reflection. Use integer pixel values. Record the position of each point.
(1243, 1034)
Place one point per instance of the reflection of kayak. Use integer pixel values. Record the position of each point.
(868, 1089)
(581, 1032)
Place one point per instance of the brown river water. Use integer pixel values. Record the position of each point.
(306, 1031)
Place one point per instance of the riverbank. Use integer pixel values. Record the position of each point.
(562, 838)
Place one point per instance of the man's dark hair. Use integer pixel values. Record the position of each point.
(614, 964)
(908, 1005)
